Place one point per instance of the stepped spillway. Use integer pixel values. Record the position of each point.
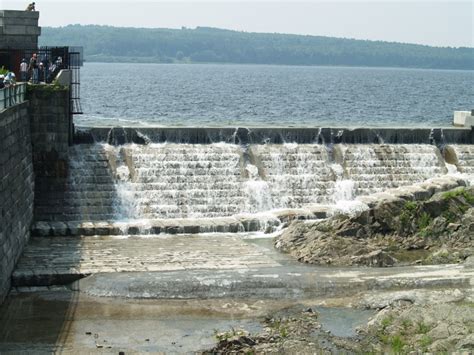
(296, 174)
(375, 168)
(168, 181)
(181, 180)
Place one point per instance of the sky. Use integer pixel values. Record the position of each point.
(435, 22)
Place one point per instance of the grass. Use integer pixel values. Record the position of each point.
(450, 216)
(387, 321)
(410, 205)
(425, 341)
(424, 221)
(397, 344)
(407, 212)
(469, 197)
(280, 327)
(423, 328)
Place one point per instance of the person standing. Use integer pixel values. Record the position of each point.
(34, 69)
(31, 7)
(23, 70)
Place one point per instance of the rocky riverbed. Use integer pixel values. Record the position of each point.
(402, 327)
(429, 223)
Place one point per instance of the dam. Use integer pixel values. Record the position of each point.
(120, 235)
(132, 174)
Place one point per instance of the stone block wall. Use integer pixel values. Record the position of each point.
(16, 189)
(51, 134)
(19, 29)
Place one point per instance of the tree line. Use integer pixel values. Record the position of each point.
(212, 45)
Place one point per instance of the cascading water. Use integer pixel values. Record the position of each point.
(257, 191)
(185, 180)
(375, 168)
(168, 181)
(296, 174)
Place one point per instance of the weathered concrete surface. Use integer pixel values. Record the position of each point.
(16, 189)
(49, 261)
(207, 266)
(290, 282)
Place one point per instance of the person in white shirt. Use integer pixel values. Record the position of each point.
(24, 70)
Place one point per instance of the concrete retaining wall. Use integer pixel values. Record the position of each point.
(19, 29)
(16, 189)
(51, 133)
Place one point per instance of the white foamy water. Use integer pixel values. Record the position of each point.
(161, 181)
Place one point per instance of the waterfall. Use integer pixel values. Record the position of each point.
(171, 180)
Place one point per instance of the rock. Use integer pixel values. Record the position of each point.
(321, 211)
(466, 344)
(439, 332)
(376, 258)
(469, 260)
(390, 226)
(41, 229)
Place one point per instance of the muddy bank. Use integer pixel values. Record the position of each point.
(429, 223)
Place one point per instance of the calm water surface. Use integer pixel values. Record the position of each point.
(263, 95)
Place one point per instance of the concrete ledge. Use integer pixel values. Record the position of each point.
(285, 282)
(236, 224)
(277, 135)
(19, 14)
(263, 222)
(464, 118)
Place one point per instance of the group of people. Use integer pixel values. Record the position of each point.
(37, 71)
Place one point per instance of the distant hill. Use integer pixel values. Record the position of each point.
(204, 45)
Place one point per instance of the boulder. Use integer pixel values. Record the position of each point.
(376, 258)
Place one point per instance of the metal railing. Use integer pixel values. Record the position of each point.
(12, 95)
(71, 58)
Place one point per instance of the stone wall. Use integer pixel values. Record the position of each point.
(19, 29)
(16, 189)
(51, 134)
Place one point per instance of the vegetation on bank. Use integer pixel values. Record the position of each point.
(395, 231)
(211, 45)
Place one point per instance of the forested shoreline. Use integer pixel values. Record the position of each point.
(211, 45)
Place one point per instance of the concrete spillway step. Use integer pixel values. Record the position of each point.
(234, 224)
(207, 267)
(373, 168)
(54, 261)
